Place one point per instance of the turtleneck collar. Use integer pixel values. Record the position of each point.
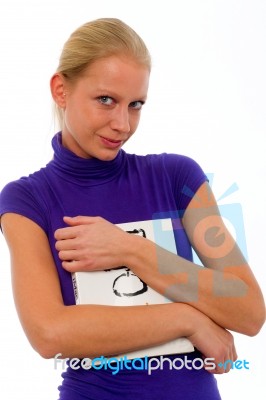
(90, 171)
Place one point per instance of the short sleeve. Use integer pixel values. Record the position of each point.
(186, 177)
(19, 197)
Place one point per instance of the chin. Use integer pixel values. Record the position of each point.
(107, 155)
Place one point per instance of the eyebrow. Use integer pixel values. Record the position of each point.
(103, 91)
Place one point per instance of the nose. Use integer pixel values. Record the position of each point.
(120, 120)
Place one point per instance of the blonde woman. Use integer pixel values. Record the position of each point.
(63, 219)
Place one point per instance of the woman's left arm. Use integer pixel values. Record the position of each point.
(225, 289)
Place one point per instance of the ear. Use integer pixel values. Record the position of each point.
(57, 86)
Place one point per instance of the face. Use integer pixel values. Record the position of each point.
(102, 109)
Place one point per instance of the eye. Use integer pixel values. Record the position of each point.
(106, 100)
(136, 105)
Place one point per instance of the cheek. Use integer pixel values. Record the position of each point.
(74, 118)
(134, 122)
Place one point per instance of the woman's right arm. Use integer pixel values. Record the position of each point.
(92, 330)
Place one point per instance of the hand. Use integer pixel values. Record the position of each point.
(90, 244)
(215, 342)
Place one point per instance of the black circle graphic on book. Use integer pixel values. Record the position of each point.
(120, 285)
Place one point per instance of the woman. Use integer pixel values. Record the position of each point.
(63, 219)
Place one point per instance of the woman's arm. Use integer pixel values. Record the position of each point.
(225, 290)
(90, 330)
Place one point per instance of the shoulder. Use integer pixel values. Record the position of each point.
(170, 162)
(19, 187)
(23, 196)
(182, 173)
(23, 186)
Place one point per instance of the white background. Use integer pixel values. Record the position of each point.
(207, 100)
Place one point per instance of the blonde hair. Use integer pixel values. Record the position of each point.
(99, 39)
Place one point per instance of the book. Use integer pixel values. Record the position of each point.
(121, 287)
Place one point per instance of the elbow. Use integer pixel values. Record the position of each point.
(255, 323)
(47, 351)
(45, 342)
(259, 316)
(255, 315)
(258, 324)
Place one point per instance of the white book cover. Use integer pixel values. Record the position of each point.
(121, 287)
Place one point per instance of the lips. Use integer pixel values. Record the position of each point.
(111, 142)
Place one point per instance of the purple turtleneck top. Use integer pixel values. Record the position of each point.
(127, 189)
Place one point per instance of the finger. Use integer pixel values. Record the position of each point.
(65, 233)
(68, 255)
(221, 369)
(75, 266)
(70, 266)
(214, 368)
(218, 371)
(228, 363)
(67, 244)
(234, 358)
(79, 220)
(222, 366)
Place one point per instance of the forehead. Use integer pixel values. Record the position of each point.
(118, 73)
